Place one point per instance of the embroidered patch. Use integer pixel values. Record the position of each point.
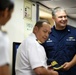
(49, 40)
(71, 39)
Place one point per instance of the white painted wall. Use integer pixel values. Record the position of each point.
(72, 22)
(16, 26)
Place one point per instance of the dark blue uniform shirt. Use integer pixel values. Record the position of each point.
(61, 46)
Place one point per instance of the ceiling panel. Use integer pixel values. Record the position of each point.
(59, 3)
(69, 5)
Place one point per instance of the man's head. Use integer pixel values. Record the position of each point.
(6, 9)
(60, 17)
(42, 30)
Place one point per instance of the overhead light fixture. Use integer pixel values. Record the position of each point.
(44, 14)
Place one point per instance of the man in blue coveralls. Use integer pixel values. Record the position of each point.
(61, 44)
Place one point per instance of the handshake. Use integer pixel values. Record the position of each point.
(54, 65)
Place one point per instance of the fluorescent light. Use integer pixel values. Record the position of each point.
(44, 14)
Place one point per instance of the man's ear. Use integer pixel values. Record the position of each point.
(5, 13)
(53, 17)
(35, 29)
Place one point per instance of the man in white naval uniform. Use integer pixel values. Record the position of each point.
(31, 57)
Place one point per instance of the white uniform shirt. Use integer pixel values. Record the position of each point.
(30, 55)
(4, 49)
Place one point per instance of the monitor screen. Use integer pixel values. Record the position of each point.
(15, 46)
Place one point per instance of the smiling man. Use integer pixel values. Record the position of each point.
(61, 45)
(31, 57)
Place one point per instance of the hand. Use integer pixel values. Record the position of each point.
(66, 66)
(49, 67)
(54, 72)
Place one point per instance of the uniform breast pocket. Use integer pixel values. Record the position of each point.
(50, 45)
(70, 43)
(71, 47)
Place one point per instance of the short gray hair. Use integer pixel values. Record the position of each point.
(57, 9)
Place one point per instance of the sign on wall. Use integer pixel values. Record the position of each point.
(29, 17)
(28, 27)
(28, 10)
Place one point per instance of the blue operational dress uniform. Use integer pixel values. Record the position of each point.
(61, 47)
